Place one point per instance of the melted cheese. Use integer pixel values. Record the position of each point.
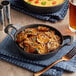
(44, 3)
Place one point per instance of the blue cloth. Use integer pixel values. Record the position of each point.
(10, 53)
(52, 17)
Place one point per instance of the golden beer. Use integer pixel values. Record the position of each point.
(72, 15)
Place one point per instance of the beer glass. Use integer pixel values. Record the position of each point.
(72, 15)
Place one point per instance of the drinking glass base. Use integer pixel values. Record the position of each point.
(73, 30)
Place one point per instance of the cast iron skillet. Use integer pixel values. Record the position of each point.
(38, 9)
(37, 56)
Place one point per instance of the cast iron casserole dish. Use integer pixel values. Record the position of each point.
(43, 10)
(37, 56)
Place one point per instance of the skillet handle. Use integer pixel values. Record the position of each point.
(7, 30)
(68, 37)
(67, 43)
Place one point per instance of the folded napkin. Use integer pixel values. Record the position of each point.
(52, 17)
(10, 53)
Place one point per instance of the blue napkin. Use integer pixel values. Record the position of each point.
(10, 53)
(52, 17)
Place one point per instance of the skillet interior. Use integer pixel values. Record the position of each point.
(38, 56)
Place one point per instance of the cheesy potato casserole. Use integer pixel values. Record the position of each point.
(40, 40)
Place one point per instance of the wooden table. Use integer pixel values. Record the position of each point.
(7, 69)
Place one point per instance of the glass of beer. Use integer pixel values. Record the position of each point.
(72, 15)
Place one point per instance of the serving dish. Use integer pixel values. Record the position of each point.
(43, 10)
(37, 56)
